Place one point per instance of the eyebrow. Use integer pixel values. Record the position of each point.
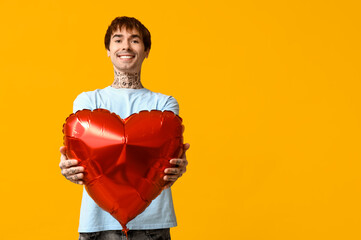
(121, 35)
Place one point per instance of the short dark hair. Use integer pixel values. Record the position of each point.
(128, 23)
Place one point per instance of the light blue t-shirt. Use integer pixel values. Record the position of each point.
(124, 102)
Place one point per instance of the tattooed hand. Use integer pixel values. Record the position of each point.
(70, 169)
(180, 167)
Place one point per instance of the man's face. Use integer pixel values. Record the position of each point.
(126, 50)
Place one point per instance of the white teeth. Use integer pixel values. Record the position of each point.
(126, 56)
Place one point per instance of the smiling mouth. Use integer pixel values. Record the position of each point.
(125, 56)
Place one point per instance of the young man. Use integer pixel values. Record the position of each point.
(128, 43)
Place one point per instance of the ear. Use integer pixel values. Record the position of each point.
(147, 53)
(108, 53)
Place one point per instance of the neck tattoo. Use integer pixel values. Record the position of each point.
(127, 80)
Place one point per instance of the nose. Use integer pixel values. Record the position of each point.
(125, 45)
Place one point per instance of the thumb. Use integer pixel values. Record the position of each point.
(62, 150)
(186, 146)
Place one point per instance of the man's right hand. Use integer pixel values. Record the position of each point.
(70, 169)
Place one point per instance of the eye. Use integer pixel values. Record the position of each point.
(117, 41)
(135, 41)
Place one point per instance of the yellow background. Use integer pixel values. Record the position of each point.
(269, 92)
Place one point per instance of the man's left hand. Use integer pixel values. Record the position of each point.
(180, 167)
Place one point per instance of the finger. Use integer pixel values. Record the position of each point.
(186, 146)
(62, 154)
(75, 177)
(179, 162)
(80, 182)
(182, 170)
(172, 171)
(72, 171)
(170, 178)
(68, 163)
(62, 150)
(63, 158)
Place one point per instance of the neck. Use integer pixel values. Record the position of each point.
(126, 80)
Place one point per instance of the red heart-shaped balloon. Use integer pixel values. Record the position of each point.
(124, 160)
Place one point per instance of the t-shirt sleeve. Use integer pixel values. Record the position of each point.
(171, 105)
(82, 102)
